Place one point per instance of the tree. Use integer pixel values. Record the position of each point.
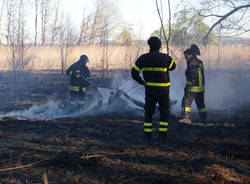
(188, 30)
(1, 17)
(105, 20)
(160, 13)
(45, 12)
(10, 18)
(232, 16)
(67, 39)
(85, 26)
(54, 26)
(124, 38)
(36, 19)
(198, 30)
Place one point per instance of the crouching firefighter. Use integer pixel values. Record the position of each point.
(155, 67)
(79, 81)
(195, 86)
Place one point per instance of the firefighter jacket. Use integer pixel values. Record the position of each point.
(195, 75)
(154, 67)
(79, 77)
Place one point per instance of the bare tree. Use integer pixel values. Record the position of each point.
(67, 39)
(85, 26)
(1, 17)
(45, 10)
(10, 9)
(36, 23)
(20, 20)
(20, 58)
(55, 26)
(105, 20)
(97, 15)
(160, 13)
(230, 15)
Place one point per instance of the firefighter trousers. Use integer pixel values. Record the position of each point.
(187, 102)
(150, 104)
(77, 100)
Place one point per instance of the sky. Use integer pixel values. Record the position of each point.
(140, 15)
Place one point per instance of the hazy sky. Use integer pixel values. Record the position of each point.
(140, 15)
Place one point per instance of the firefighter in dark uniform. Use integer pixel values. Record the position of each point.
(195, 86)
(79, 81)
(155, 67)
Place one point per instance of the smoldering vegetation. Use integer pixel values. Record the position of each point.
(44, 94)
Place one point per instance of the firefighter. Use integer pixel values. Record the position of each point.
(195, 86)
(79, 81)
(155, 67)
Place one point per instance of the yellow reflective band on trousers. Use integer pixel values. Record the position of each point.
(70, 73)
(137, 68)
(78, 76)
(148, 124)
(81, 102)
(148, 127)
(157, 84)
(171, 64)
(188, 109)
(74, 88)
(202, 110)
(148, 130)
(154, 69)
(163, 123)
(163, 129)
(163, 126)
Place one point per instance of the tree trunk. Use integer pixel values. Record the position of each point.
(1, 16)
(36, 25)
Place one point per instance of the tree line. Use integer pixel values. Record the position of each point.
(44, 22)
(25, 23)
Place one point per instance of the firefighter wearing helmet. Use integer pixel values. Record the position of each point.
(79, 81)
(195, 86)
(155, 67)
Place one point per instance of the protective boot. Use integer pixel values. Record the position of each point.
(186, 121)
(186, 118)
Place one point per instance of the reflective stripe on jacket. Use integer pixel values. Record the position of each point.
(195, 75)
(79, 77)
(154, 66)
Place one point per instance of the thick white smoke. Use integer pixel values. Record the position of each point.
(226, 93)
(111, 101)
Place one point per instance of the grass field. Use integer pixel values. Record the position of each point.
(123, 57)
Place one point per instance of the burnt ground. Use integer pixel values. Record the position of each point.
(109, 148)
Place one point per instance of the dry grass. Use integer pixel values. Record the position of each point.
(122, 57)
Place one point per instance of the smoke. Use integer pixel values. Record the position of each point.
(226, 93)
(115, 102)
(50, 110)
(107, 101)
